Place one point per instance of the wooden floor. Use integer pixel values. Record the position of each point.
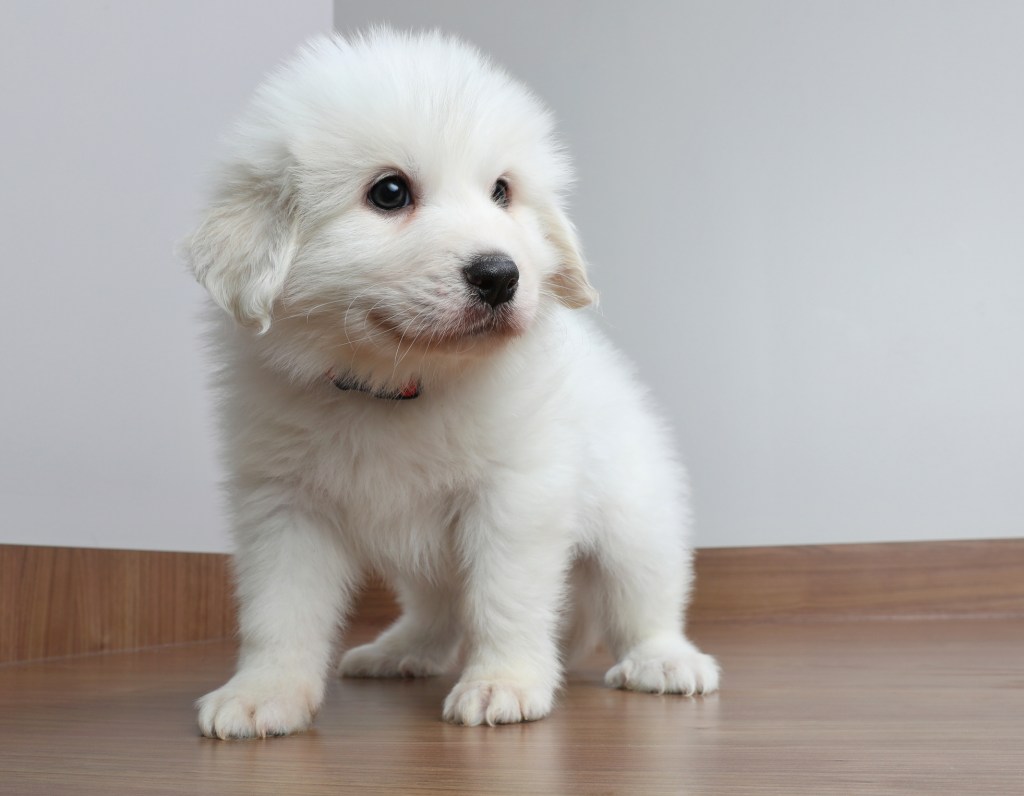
(931, 707)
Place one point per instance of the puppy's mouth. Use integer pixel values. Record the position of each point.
(503, 321)
(472, 324)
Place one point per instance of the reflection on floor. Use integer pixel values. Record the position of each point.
(898, 707)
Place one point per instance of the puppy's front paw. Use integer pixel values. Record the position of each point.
(258, 705)
(665, 666)
(493, 702)
(375, 660)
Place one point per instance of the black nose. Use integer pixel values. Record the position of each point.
(494, 276)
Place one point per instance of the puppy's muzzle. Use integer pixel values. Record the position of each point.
(494, 278)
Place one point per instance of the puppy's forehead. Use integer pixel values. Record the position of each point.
(426, 104)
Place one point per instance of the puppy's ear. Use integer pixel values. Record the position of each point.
(244, 246)
(569, 281)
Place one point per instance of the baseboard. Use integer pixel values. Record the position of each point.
(58, 601)
(903, 580)
(69, 601)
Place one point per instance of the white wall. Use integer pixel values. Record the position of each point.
(805, 219)
(110, 115)
(807, 223)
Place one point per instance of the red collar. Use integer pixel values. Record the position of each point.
(349, 382)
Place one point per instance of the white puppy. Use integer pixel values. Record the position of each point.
(408, 388)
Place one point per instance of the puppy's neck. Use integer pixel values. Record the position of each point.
(349, 382)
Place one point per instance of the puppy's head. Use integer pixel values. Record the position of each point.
(387, 199)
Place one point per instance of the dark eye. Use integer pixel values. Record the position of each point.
(500, 193)
(390, 193)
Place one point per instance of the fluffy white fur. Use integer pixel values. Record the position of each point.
(527, 502)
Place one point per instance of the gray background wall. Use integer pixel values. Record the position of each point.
(804, 218)
(111, 113)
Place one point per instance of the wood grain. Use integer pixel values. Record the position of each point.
(861, 581)
(68, 601)
(932, 707)
(57, 601)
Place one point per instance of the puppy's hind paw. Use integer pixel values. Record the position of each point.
(671, 666)
(373, 660)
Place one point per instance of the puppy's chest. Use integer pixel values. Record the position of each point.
(390, 470)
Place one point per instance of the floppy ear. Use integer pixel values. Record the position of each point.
(244, 246)
(569, 280)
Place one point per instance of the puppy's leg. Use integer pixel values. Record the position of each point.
(513, 590)
(293, 588)
(421, 643)
(645, 593)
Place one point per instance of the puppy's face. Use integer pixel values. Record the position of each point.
(386, 203)
(429, 239)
